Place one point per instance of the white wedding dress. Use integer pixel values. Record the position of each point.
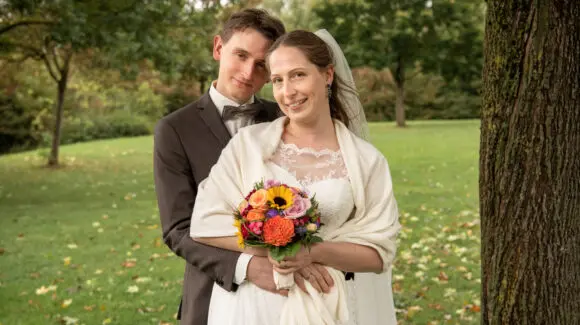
(321, 173)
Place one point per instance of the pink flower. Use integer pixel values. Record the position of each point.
(271, 183)
(256, 227)
(299, 208)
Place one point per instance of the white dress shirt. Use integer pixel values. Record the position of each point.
(220, 101)
(233, 126)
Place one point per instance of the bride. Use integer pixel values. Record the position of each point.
(318, 145)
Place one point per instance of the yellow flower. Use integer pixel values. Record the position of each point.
(280, 197)
(238, 225)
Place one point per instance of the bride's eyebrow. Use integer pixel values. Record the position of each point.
(289, 72)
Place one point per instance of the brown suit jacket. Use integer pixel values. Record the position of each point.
(187, 143)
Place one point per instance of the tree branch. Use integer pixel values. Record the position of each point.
(50, 69)
(7, 28)
(26, 47)
(18, 60)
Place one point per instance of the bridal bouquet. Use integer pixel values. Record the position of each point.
(278, 217)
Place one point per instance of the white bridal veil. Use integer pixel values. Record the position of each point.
(346, 91)
(373, 299)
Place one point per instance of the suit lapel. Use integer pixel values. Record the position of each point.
(210, 115)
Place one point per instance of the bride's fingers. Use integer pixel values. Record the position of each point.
(274, 262)
(281, 270)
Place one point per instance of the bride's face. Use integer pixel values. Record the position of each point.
(299, 85)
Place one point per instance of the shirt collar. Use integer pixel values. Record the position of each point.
(220, 100)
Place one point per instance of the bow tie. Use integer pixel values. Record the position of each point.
(251, 111)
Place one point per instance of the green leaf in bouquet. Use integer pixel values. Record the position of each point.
(256, 243)
(315, 239)
(259, 185)
(279, 253)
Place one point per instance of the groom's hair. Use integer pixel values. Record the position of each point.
(318, 53)
(260, 20)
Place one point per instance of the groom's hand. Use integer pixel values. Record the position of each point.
(317, 275)
(261, 273)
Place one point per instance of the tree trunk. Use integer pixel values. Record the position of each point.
(530, 163)
(58, 113)
(202, 84)
(400, 93)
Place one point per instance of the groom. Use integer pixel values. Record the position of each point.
(188, 142)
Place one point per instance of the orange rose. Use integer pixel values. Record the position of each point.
(259, 198)
(242, 206)
(278, 231)
(255, 215)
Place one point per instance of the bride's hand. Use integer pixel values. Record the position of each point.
(292, 264)
(256, 251)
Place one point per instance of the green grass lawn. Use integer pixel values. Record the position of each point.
(82, 244)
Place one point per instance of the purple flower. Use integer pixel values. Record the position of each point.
(272, 213)
(300, 231)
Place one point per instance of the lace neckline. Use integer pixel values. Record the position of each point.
(309, 165)
(309, 150)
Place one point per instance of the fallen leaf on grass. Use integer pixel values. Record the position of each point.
(44, 290)
(89, 308)
(69, 320)
(411, 311)
(2, 251)
(66, 303)
(129, 264)
(133, 289)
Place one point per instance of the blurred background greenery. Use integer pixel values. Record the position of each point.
(112, 68)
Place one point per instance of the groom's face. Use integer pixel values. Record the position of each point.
(242, 69)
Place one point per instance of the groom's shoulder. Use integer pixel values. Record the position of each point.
(186, 115)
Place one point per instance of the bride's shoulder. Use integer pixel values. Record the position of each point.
(260, 132)
(262, 128)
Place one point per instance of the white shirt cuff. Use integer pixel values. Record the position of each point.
(242, 268)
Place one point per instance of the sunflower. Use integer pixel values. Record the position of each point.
(238, 225)
(280, 197)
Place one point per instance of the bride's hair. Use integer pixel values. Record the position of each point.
(317, 52)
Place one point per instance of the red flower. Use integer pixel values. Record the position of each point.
(244, 231)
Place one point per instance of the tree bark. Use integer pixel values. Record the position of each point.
(530, 163)
(400, 94)
(62, 84)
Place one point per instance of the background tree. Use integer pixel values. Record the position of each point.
(530, 163)
(408, 36)
(296, 14)
(54, 31)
